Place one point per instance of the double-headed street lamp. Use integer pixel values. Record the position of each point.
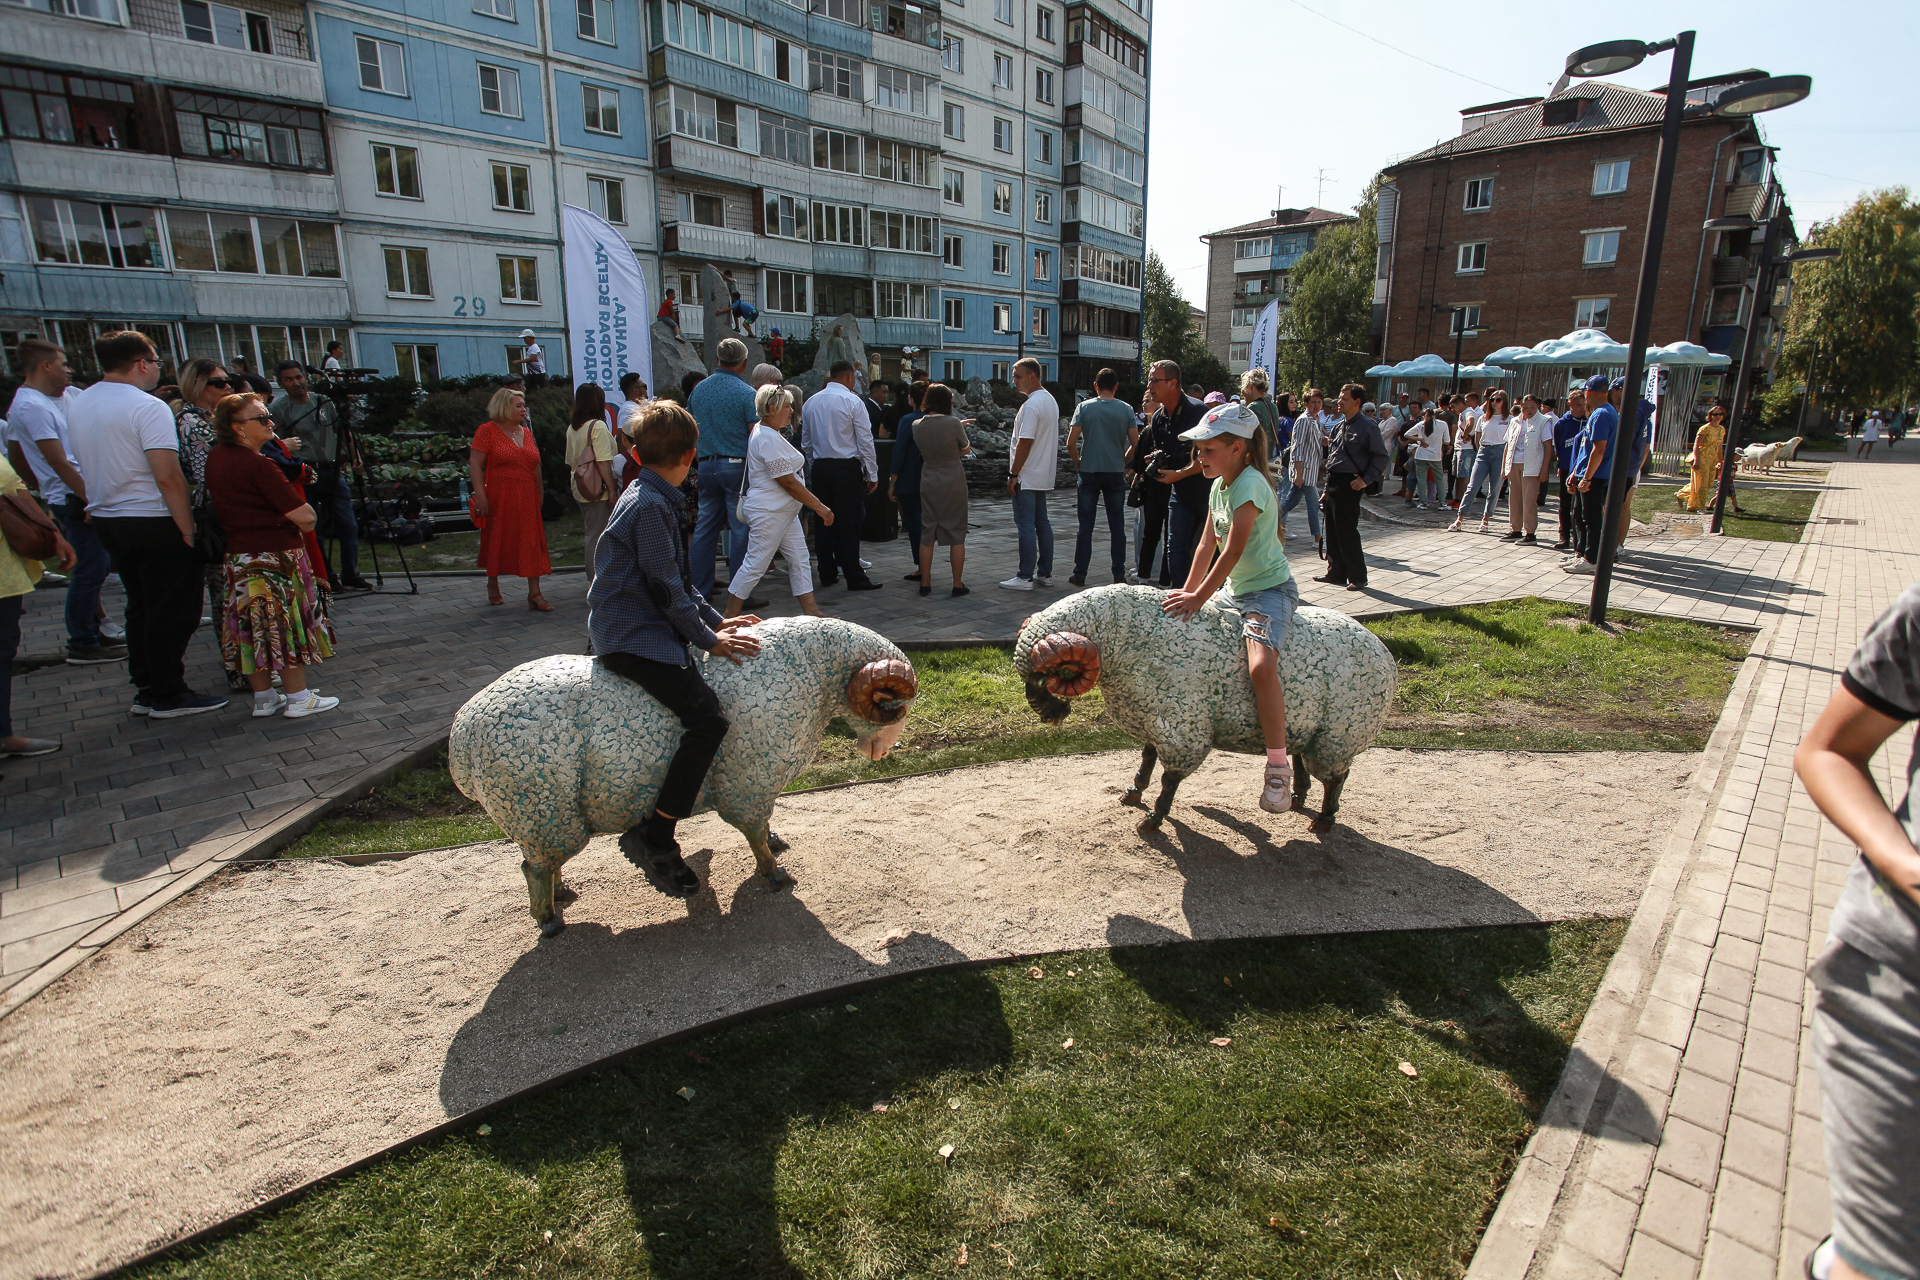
(1744, 99)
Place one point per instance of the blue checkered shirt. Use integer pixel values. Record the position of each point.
(642, 600)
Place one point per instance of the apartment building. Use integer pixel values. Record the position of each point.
(167, 165)
(1251, 265)
(1533, 219)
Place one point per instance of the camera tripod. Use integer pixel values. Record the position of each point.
(342, 390)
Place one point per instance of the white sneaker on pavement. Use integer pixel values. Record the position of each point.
(310, 705)
(1040, 580)
(1018, 584)
(263, 707)
(112, 631)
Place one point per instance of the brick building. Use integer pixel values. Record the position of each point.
(1534, 218)
(1249, 266)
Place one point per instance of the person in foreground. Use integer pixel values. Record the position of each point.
(1251, 576)
(271, 620)
(18, 576)
(1866, 1021)
(644, 613)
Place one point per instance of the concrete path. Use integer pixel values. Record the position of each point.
(1685, 1138)
(133, 812)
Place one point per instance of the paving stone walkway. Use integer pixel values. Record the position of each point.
(133, 812)
(1685, 1139)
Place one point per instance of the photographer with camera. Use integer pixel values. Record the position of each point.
(315, 422)
(1172, 478)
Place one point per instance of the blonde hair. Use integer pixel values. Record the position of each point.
(193, 378)
(1255, 380)
(500, 406)
(770, 400)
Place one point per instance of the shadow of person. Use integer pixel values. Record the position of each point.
(587, 1028)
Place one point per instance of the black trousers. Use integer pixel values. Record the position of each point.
(1572, 520)
(1593, 516)
(681, 691)
(1154, 498)
(1340, 504)
(164, 581)
(840, 484)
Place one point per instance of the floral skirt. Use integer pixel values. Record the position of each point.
(273, 617)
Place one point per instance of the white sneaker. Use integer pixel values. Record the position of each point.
(1578, 566)
(269, 706)
(311, 705)
(866, 564)
(1276, 796)
(1133, 577)
(1040, 581)
(112, 631)
(1018, 584)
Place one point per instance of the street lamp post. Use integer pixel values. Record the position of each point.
(1458, 323)
(1742, 99)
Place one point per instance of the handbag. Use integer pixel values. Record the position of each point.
(746, 472)
(29, 530)
(586, 474)
(209, 540)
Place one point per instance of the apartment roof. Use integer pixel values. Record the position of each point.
(1282, 218)
(1607, 107)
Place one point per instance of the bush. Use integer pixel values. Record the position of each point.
(798, 356)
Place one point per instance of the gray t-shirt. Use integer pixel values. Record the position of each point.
(1103, 434)
(1872, 915)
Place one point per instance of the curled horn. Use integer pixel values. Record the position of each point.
(881, 690)
(1069, 663)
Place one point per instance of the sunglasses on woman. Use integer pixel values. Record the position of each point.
(218, 382)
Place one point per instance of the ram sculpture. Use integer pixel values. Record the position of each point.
(560, 748)
(1182, 689)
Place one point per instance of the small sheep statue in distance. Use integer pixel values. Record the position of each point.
(1182, 687)
(560, 748)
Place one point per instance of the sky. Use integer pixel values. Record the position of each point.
(1306, 93)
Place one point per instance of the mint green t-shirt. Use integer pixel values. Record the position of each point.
(1263, 564)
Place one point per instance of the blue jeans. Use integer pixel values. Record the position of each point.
(330, 495)
(1275, 607)
(719, 485)
(1183, 530)
(89, 572)
(1094, 486)
(1036, 533)
(1310, 494)
(1490, 465)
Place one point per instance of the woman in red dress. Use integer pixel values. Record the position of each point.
(504, 464)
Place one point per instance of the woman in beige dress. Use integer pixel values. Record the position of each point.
(943, 485)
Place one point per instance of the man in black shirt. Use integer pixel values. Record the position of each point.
(1174, 412)
(1356, 459)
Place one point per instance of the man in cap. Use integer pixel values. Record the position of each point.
(532, 361)
(1592, 472)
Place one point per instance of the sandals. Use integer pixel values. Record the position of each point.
(493, 592)
(538, 604)
(960, 591)
(926, 590)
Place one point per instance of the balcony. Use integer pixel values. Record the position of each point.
(697, 240)
(1097, 347)
(1731, 270)
(1746, 200)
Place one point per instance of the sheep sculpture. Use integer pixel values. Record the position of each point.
(560, 748)
(1182, 688)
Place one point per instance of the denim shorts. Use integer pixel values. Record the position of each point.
(1275, 604)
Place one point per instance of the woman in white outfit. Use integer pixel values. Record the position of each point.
(771, 504)
(1529, 447)
(1491, 433)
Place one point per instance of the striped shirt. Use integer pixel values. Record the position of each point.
(642, 600)
(1309, 448)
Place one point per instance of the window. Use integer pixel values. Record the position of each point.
(786, 291)
(953, 314)
(1002, 370)
(94, 235)
(1003, 317)
(396, 171)
(1003, 11)
(1260, 248)
(956, 371)
(904, 91)
(955, 187)
(226, 242)
(1003, 135)
(1043, 24)
(1241, 317)
(383, 67)
(1472, 257)
(1084, 26)
(1749, 166)
(593, 19)
(1239, 351)
(1089, 263)
(1002, 71)
(702, 209)
(1043, 144)
(1463, 320)
(419, 361)
(1043, 206)
(711, 34)
(224, 25)
(512, 187)
(1003, 197)
(1002, 259)
(499, 90)
(1089, 88)
(1592, 313)
(1102, 210)
(495, 8)
(908, 231)
(783, 61)
(238, 129)
(1610, 177)
(601, 108)
(954, 121)
(1104, 322)
(406, 272)
(783, 139)
(897, 162)
(842, 295)
(1602, 248)
(786, 217)
(952, 251)
(1042, 85)
(837, 74)
(1084, 147)
(1042, 323)
(898, 300)
(519, 280)
(854, 11)
(953, 54)
(837, 151)
(1479, 194)
(839, 223)
(698, 116)
(1043, 264)
(909, 22)
(608, 198)
(1726, 306)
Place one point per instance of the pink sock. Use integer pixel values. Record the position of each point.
(1278, 759)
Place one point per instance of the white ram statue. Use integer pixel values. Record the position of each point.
(1182, 688)
(560, 748)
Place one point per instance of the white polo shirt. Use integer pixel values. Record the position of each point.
(1039, 421)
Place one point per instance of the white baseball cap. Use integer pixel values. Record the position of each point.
(1231, 419)
(526, 333)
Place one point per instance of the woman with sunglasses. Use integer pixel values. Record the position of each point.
(203, 384)
(1704, 462)
(1490, 435)
(271, 620)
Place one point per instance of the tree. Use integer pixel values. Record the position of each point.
(1860, 311)
(1327, 330)
(1165, 324)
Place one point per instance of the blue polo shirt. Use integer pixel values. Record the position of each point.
(722, 405)
(1566, 431)
(1602, 425)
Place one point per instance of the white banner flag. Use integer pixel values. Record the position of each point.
(609, 313)
(1261, 352)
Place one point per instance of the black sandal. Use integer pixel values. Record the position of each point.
(960, 591)
(926, 590)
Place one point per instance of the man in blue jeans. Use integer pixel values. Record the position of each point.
(1036, 450)
(722, 404)
(1102, 432)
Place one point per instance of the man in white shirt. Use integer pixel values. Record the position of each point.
(1036, 449)
(1529, 458)
(37, 422)
(532, 361)
(124, 440)
(837, 435)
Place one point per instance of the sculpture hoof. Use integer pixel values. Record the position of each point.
(775, 843)
(1300, 805)
(564, 894)
(777, 879)
(1320, 825)
(1132, 798)
(551, 927)
(1148, 825)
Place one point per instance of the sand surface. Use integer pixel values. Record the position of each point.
(282, 1022)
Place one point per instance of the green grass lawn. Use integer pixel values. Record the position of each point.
(1772, 515)
(1096, 1129)
(566, 545)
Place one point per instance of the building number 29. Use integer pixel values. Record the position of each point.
(460, 305)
